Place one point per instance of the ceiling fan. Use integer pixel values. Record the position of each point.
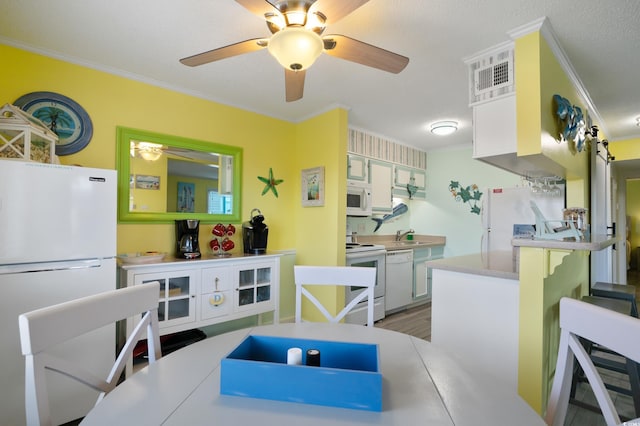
(296, 42)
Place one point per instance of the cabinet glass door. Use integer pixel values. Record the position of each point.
(254, 286)
(176, 298)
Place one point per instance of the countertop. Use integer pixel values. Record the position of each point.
(595, 243)
(499, 264)
(389, 241)
(170, 259)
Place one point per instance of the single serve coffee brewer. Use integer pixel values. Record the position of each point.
(255, 233)
(187, 246)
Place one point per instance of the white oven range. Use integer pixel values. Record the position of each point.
(366, 255)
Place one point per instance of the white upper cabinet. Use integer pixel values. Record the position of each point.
(494, 128)
(356, 167)
(381, 180)
(407, 176)
(404, 176)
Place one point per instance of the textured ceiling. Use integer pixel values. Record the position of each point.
(144, 39)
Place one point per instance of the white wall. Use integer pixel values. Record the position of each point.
(441, 214)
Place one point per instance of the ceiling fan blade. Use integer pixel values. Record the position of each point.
(366, 54)
(258, 7)
(335, 10)
(294, 84)
(236, 49)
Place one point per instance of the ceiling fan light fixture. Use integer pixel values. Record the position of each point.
(275, 22)
(296, 18)
(443, 128)
(316, 22)
(149, 151)
(295, 48)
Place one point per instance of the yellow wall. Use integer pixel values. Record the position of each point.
(633, 211)
(201, 188)
(267, 142)
(628, 149)
(539, 76)
(316, 233)
(149, 200)
(320, 231)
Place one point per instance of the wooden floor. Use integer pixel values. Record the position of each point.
(417, 322)
(414, 322)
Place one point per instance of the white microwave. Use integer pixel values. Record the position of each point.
(358, 198)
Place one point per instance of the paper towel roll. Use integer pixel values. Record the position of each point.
(294, 356)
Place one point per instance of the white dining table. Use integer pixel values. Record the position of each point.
(422, 385)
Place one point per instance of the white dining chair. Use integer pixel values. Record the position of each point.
(305, 276)
(618, 332)
(45, 328)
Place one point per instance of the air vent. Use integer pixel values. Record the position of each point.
(491, 75)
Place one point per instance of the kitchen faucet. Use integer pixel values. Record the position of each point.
(399, 235)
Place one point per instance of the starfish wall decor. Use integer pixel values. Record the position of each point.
(270, 183)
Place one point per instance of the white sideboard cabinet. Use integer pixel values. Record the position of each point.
(197, 293)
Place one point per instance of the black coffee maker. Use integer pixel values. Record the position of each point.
(187, 246)
(255, 233)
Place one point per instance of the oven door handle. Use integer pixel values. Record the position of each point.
(365, 254)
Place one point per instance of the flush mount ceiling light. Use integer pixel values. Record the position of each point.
(442, 128)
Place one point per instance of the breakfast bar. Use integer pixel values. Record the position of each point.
(498, 311)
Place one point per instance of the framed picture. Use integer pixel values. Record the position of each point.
(313, 187)
(147, 182)
(186, 197)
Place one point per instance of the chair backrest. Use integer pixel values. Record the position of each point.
(541, 221)
(599, 325)
(335, 276)
(44, 328)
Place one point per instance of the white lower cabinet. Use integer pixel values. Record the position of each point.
(176, 301)
(422, 274)
(216, 298)
(197, 293)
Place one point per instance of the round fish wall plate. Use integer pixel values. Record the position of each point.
(63, 116)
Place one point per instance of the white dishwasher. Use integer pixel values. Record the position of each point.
(399, 280)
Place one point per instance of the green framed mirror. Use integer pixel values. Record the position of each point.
(163, 178)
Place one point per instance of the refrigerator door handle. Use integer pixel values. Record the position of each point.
(23, 268)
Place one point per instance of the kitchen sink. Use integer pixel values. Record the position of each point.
(407, 243)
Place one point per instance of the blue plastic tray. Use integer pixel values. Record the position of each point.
(349, 373)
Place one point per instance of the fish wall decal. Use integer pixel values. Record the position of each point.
(398, 210)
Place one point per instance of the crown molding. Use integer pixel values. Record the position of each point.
(543, 26)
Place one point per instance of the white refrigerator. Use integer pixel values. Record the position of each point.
(504, 207)
(57, 243)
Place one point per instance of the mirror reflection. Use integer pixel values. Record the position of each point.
(174, 178)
